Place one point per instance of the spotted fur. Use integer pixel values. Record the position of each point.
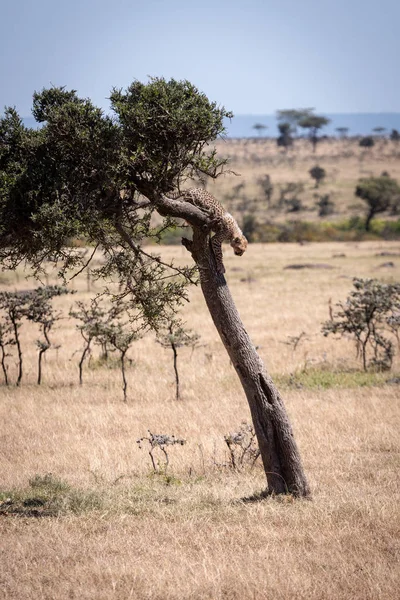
(225, 229)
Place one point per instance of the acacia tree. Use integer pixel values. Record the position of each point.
(86, 174)
(379, 193)
(379, 130)
(39, 310)
(120, 337)
(92, 320)
(13, 308)
(367, 315)
(342, 131)
(313, 123)
(292, 117)
(260, 128)
(6, 339)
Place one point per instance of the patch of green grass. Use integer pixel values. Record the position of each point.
(349, 229)
(48, 496)
(327, 379)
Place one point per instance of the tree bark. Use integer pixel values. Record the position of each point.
(39, 379)
(16, 337)
(124, 382)
(279, 452)
(3, 363)
(370, 216)
(85, 351)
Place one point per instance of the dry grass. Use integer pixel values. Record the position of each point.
(115, 530)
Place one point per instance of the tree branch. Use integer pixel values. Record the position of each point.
(140, 252)
(84, 266)
(183, 210)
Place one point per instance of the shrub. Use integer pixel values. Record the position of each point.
(368, 316)
(160, 441)
(243, 447)
(366, 142)
(325, 205)
(249, 227)
(317, 173)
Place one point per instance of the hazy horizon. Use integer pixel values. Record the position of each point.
(242, 126)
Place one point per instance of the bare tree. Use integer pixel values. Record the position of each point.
(174, 337)
(13, 305)
(39, 310)
(6, 339)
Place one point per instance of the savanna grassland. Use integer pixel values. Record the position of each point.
(343, 160)
(85, 516)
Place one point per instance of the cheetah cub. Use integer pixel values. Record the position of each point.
(226, 228)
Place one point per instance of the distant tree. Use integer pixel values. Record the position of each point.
(394, 135)
(260, 128)
(379, 130)
(289, 192)
(294, 205)
(317, 173)
(367, 142)
(342, 131)
(313, 123)
(267, 187)
(174, 337)
(325, 205)
(285, 138)
(380, 194)
(249, 226)
(293, 116)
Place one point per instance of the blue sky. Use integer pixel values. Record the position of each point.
(253, 56)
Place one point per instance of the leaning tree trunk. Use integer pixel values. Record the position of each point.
(279, 452)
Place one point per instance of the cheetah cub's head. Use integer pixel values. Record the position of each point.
(239, 245)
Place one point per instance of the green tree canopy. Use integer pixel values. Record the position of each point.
(87, 174)
(380, 194)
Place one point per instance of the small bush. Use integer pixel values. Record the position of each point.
(325, 205)
(367, 142)
(243, 447)
(160, 441)
(317, 173)
(368, 316)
